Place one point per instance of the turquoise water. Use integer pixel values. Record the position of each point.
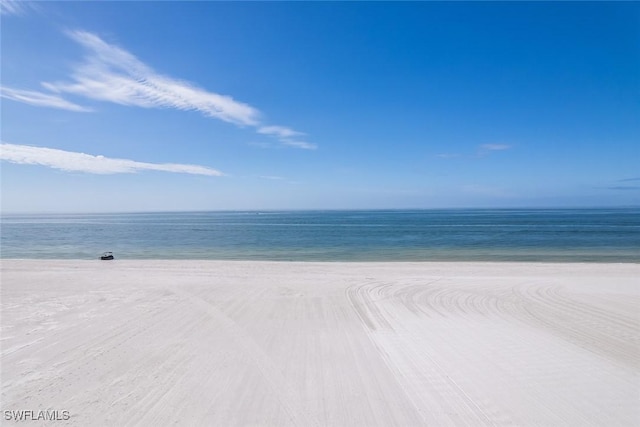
(567, 235)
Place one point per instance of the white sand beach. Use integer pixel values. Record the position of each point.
(321, 344)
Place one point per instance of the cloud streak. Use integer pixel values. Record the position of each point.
(285, 135)
(40, 99)
(14, 7)
(299, 144)
(485, 149)
(80, 162)
(112, 74)
(279, 131)
(495, 147)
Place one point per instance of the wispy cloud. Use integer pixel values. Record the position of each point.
(272, 177)
(10, 7)
(284, 142)
(40, 99)
(299, 144)
(112, 74)
(80, 162)
(629, 179)
(495, 147)
(485, 149)
(447, 155)
(279, 131)
(286, 136)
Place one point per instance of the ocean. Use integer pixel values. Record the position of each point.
(544, 235)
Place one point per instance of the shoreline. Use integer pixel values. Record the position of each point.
(328, 261)
(321, 343)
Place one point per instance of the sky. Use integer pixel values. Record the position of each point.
(187, 106)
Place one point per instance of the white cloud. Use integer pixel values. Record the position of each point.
(111, 74)
(299, 144)
(279, 131)
(11, 7)
(485, 149)
(40, 99)
(80, 162)
(284, 135)
(447, 155)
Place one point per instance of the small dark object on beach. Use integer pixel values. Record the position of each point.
(107, 256)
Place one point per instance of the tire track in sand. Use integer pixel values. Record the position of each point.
(434, 394)
(415, 323)
(255, 355)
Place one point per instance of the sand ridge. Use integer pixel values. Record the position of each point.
(336, 344)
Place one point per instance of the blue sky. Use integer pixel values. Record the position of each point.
(146, 106)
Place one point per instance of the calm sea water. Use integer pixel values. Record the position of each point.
(568, 235)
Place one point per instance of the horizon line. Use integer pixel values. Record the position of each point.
(274, 210)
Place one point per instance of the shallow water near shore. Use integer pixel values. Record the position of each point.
(539, 235)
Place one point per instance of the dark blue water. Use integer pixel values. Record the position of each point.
(567, 235)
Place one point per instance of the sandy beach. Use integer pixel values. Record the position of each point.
(321, 344)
